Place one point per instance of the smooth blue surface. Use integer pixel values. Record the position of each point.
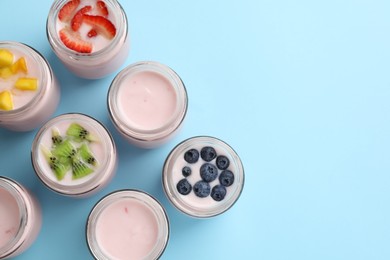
(300, 89)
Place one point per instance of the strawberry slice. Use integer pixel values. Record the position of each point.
(66, 12)
(102, 8)
(77, 19)
(73, 41)
(101, 24)
(92, 33)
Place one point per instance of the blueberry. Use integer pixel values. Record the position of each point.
(191, 156)
(226, 178)
(218, 192)
(222, 162)
(202, 189)
(208, 172)
(208, 153)
(183, 187)
(186, 171)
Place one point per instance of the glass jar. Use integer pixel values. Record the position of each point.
(74, 154)
(127, 224)
(31, 108)
(102, 60)
(203, 176)
(147, 103)
(21, 218)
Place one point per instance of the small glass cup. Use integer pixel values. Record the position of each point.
(31, 107)
(100, 62)
(21, 218)
(127, 224)
(203, 176)
(74, 155)
(147, 103)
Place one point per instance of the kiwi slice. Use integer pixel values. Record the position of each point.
(79, 133)
(65, 150)
(80, 169)
(55, 136)
(85, 153)
(59, 167)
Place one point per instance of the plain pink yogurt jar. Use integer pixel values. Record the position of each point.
(203, 176)
(74, 155)
(147, 103)
(20, 216)
(89, 56)
(127, 224)
(31, 108)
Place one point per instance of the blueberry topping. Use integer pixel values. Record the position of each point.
(191, 156)
(208, 153)
(186, 171)
(208, 172)
(226, 178)
(202, 189)
(183, 187)
(218, 192)
(222, 162)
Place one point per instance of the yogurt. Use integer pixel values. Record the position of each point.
(74, 166)
(127, 224)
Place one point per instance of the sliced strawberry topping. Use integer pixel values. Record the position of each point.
(102, 8)
(66, 12)
(101, 24)
(77, 19)
(73, 41)
(92, 33)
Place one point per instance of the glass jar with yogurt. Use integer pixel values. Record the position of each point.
(90, 37)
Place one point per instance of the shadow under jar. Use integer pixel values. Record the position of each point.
(90, 37)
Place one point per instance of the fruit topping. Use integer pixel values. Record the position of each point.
(184, 187)
(6, 102)
(202, 189)
(208, 172)
(67, 11)
(92, 33)
(80, 169)
(5, 72)
(19, 65)
(6, 58)
(208, 153)
(102, 8)
(77, 19)
(73, 41)
(218, 192)
(222, 162)
(26, 83)
(79, 133)
(226, 178)
(56, 137)
(101, 24)
(60, 168)
(86, 154)
(191, 156)
(186, 171)
(65, 150)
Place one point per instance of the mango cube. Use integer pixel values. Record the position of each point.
(5, 72)
(6, 58)
(26, 83)
(6, 102)
(19, 65)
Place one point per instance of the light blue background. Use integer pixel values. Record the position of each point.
(300, 89)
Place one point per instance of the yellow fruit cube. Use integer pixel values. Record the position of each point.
(5, 72)
(26, 83)
(19, 65)
(6, 100)
(6, 58)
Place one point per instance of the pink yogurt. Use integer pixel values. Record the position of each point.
(20, 218)
(147, 102)
(102, 147)
(31, 107)
(107, 54)
(127, 224)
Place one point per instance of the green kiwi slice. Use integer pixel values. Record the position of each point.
(56, 136)
(79, 133)
(80, 169)
(59, 167)
(64, 150)
(85, 153)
